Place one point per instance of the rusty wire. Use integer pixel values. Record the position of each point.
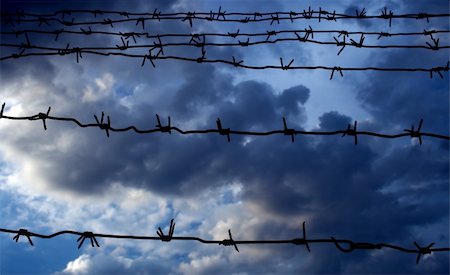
(104, 124)
(303, 240)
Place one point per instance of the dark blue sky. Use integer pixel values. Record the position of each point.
(390, 191)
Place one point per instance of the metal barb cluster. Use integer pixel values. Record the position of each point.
(106, 126)
(338, 243)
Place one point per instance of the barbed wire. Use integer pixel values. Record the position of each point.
(196, 41)
(220, 16)
(134, 35)
(104, 123)
(77, 51)
(338, 243)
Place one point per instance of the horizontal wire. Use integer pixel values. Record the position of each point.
(338, 243)
(237, 34)
(211, 16)
(236, 44)
(106, 126)
(78, 52)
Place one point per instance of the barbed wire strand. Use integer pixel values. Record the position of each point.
(429, 45)
(189, 17)
(202, 59)
(105, 125)
(338, 243)
(134, 35)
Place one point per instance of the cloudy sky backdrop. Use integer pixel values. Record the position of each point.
(391, 191)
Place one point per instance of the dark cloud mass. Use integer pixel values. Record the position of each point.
(381, 190)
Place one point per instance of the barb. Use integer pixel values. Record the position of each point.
(288, 132)
(229, 242)
(102, 125)
(338, 243)
(416, 134)
(164, 129)
(168, 237)
(227, 131)
(302, 241)
(388, 16)
(40, 116)
(423, 251)
(84, 236)
(222, 131)
(439, 69)
(23, 232)
(352, 132)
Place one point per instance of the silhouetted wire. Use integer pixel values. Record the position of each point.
(202, 59)
(134, 35)
(220, 16)
(195, 43)
(338, 243)
(106, 126)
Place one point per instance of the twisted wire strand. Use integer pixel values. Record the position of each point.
(56, 32)
(236, 44)
(338, 243)
(273, 17)
(78, 53)
(104, 123)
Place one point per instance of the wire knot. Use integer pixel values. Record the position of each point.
(384, 34)
(164, 129)
(340, 43)
(168, 237)
(439, 69)
(43, 117)
(308, 14)
(107, 21)
(338, 246)
(84, 236)
(275, 18)
(423, 16)
(229, 242)
(220, 13)
(351, 132)
(302, 241)
(423, 250)
(222, 131)
(23, 232)
(386, 15)
(416, 134)
(287, 131)
(102, 125)
(156, 15)
(270, 33)
(189, 17)
(291, 14)
(333, 17)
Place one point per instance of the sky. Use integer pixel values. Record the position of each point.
(71, 178)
